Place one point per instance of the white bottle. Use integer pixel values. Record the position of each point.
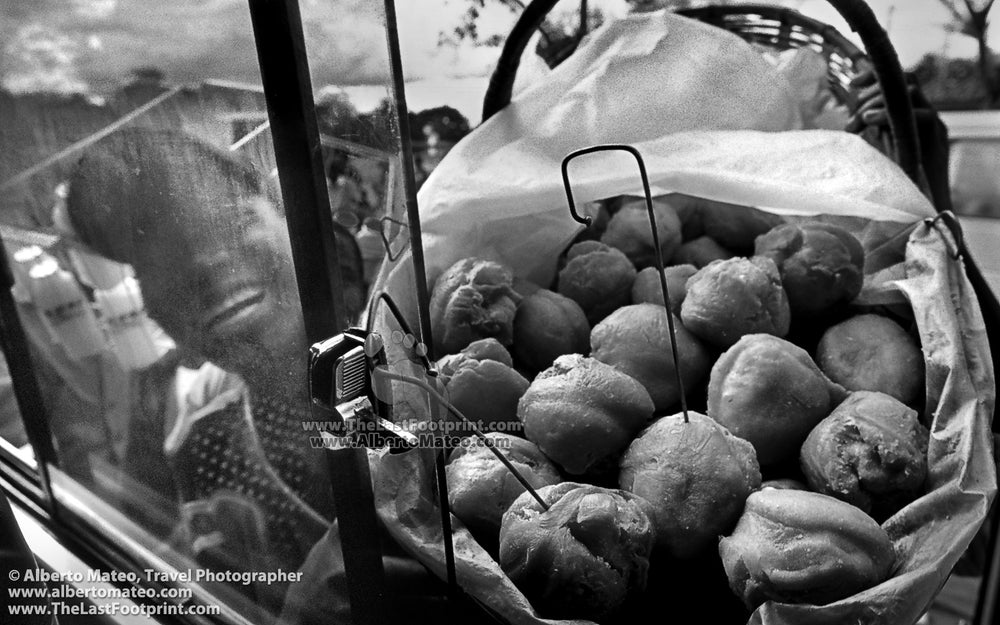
(24, 259)
(65, 309)
(130, 330)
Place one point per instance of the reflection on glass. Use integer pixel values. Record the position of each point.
(138, 197)
(75, 372)
(355, 112)
(204, 234)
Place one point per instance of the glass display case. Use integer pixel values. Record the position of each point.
(226, 376)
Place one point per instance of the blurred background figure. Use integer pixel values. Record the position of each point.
(372, 248)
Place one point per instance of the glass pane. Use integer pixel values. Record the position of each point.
(13, 438)
(356, 115)
(142, 211)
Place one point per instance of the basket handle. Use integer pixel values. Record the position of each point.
(858, 15)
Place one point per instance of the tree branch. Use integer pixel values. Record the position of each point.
(955, 13)
(979, 13)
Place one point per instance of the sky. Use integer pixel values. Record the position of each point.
(90, 46)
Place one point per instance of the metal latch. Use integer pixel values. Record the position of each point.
(343, 378)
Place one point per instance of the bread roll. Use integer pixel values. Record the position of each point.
(870, 452)
(597, 277)
(636, 340)
(873, 353)
(584, 556)
(582, 413)
(794, 546)
(695, 476)
(770, 392)
(481, 488)
(731, 298)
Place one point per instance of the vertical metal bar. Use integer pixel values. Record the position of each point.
(409, 180)
(419, 270)
(15, 348)
(298, 152)
(277, 26)
(890, 75)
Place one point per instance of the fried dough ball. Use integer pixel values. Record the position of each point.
(629, 230)
(636, 340)
(794, 546)
(584, 556)
(695, 475)
(646, 288)
(731, 298)
(472, 299)
(873, 353)
(597, 277)
(870, 452)
(821, 265)
(481, 488)
(582, 413)
(770, 392)
(548, 325)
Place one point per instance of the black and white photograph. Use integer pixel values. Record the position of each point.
(500, 312)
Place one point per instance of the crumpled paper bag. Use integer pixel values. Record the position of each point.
(700, 104)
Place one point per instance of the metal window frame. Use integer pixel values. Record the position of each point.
(280, 41)
(14, 344)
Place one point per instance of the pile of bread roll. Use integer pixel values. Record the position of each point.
(801, 433)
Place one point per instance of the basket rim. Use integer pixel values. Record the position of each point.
(787, 15)
(793, 30)
(901, 144)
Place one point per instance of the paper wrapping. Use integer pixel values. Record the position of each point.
(499, 195)
(704, 109)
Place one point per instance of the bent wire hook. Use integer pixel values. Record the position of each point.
(586, 220)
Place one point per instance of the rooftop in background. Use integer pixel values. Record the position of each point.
(42, 134)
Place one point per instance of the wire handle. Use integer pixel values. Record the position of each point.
(433, 393)
(390, 303)
(383, 373)
(948, 220)
(585, 220)
(419, 347)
